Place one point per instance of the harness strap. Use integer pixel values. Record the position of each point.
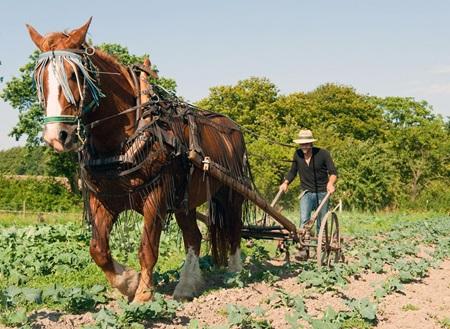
(136, 88)
(131, 109)
(70, 119)
(146, 69)
(193, 136)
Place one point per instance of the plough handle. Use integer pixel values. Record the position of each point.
(277, 197)
(319, 208)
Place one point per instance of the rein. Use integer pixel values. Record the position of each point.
(96, 123)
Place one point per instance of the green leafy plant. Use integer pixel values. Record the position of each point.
(244, 318)
(323, 279)
(134, 315)
(364, 308)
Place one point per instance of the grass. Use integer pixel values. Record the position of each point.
(355, 323)
(444, 323)
(410, 307)
(32, 218)
(353, 222)
(357, 222)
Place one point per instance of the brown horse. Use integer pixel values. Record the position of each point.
(135, 158)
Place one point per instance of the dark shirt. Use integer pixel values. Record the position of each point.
(313, 177)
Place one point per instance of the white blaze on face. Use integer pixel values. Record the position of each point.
(54, 108)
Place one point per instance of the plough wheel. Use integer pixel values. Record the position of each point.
(329, 249)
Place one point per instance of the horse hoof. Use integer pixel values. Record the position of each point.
(127, 283)
(183, 297)
(187, 292)
(143, 297)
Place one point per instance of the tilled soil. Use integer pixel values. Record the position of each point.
(424, 304)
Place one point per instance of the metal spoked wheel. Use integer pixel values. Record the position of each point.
(329, 249)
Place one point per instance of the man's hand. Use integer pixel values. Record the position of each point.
(330, 188)
(330, 185)
(284, 186)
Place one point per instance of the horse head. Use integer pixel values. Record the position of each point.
(65, 84)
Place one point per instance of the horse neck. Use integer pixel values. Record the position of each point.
(119, 93)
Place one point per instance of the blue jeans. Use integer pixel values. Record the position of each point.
(308, 204)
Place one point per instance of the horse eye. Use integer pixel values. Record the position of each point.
(73, 76)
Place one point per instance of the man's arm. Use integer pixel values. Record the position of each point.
(332, 172)
(330, 185)
(290, 176)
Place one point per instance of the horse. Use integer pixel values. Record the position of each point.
(135, 157)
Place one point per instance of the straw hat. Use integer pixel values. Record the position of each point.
(305, 136)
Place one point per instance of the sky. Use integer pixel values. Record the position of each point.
(381, 48)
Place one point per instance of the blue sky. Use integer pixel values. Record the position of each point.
(383, 48)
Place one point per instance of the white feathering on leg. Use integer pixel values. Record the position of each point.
(235, 262)
(126, 280)
(191, 280)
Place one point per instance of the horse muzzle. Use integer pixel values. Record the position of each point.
(61, 137)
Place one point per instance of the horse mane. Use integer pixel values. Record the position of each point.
(111, 59)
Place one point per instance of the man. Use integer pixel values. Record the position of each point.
(317, 176)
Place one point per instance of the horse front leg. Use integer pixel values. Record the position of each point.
(154, 211)
(124, 279)
(191, 280)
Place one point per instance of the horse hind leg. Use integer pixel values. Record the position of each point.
(191, 281)
(122, 278)
(234, 216)
(226, 226)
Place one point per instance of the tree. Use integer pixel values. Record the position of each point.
(388, 151)
(23, 161)
(252, 104)
(20, 93)
(246, 102)
(420, 142)
(123, 56)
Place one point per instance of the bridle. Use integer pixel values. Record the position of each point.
(81, 63)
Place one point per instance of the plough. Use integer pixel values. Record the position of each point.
(327, 245)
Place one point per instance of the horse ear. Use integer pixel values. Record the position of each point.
(35, 36)
(78, 36)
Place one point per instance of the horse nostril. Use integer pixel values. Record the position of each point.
(63, 136)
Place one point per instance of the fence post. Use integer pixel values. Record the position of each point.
(340, 205)
(24, 208)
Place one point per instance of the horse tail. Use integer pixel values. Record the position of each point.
(225, 227)
(219, 231)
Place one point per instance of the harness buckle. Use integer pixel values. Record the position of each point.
(80, 132)
(89, 51)
(206, 162)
